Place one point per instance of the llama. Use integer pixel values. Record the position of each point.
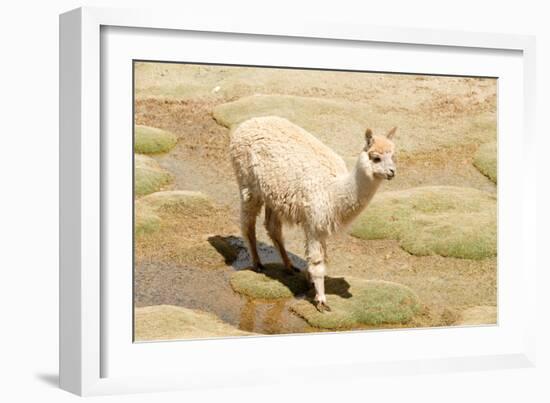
(303, 182)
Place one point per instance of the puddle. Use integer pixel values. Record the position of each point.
(271, 318)
(209, 290)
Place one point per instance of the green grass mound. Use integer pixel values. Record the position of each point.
(442, 220)
(146, 220)
(166, 322)
(150, 140)
(179, 201)
(273, 283)
(149, 176)
(149, 209)
(361, 303)
(339, 124)
(486, 160)
(178, 227)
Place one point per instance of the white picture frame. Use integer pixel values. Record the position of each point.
(86, 346)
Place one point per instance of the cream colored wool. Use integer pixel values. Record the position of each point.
(302, 181)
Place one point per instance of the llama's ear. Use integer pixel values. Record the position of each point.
(368, 138)
(391, 133)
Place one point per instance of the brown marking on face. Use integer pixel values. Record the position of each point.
(381, 145)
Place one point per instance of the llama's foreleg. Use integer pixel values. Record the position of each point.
(274, 227)
(249, 211)
(316, 271)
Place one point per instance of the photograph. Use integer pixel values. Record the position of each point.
(276, 200)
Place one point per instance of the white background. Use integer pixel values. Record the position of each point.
(28, 166)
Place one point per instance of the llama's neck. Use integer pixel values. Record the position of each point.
(352, 193)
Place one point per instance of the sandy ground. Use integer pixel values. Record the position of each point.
(181, 99)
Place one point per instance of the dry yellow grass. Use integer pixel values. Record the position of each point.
(169, 81)
(479, 315)
(166, 322)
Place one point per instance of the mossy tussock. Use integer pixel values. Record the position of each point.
(146, 220)
(149, 209)
(485, 160)
(361, 303)
(151, 140)
(441, 220)
(167, 322)
(178, 227)
(340, 124)
(179, 201)
(354, 302)
(149, 176)
(273, 283)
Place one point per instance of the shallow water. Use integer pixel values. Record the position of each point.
(209, 290)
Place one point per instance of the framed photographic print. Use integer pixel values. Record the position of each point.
(239, 201)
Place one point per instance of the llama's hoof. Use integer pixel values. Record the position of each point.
(258, 267)
(322, 307)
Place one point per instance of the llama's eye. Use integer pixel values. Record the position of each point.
(376, 159)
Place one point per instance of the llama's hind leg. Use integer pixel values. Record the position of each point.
(274, 226)
(249, 211)
(316, 271)
(324, 250)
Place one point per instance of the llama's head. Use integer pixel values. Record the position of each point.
(377, 158)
